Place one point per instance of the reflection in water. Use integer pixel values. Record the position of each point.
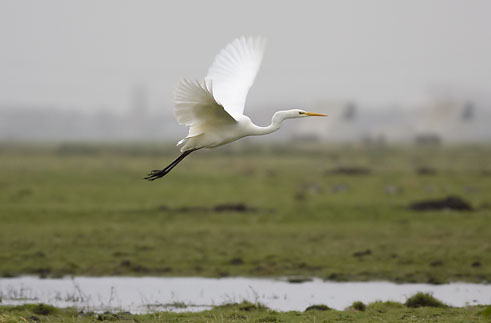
(150, 294)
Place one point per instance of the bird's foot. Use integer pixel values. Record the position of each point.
(155, 174)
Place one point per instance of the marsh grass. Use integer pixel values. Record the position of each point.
(84, 210)
(249, 312)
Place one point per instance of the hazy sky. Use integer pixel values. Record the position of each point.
(90, 54)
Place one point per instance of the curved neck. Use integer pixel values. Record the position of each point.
(278, 117)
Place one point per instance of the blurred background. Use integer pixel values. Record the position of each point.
(383, 71)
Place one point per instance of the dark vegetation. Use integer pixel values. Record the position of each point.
(359, 306)
(320, 307)
(423, 300)
(448, 203)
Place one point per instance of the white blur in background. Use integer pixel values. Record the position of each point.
(384, 71)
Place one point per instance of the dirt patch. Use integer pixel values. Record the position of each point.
(219, 208)
(340, 277)
(239, 207)
(476, 264)
(43, 272)
(298, 279)
(236, 261)
(448, 203)
(350, 170)
(318, 308)
(300, 196)
(184, 209)
(137, 268)
(125, 263)
(436, 263)
(163, 270)
(363, 253)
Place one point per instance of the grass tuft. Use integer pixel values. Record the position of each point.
(244, 306)
(319, 307)
(44, 309)
(423, 300)
(359, 306)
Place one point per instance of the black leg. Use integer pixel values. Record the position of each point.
(158, 173)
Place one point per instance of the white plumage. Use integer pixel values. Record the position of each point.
(213, 109)
(233, 72)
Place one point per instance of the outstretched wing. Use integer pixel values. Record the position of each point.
(196, 107)
(233, 72)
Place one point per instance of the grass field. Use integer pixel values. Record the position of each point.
(252, 211)
(247, 312)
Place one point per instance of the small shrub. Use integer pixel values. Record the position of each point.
(43, 309)
(359, 306)
(423, 300)
(319, 307)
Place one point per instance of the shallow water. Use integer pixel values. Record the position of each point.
(150, 294)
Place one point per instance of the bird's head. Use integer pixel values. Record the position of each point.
(297, 113)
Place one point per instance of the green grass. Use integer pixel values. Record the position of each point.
(84, 210)
(423, 300)
(246, 312)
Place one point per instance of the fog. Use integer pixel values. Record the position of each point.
(107, 69)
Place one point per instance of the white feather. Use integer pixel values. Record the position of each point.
(233, 72)
(196, 108)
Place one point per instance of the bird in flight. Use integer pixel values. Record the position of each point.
(213, 109)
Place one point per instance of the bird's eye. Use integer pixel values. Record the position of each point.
(300, 112)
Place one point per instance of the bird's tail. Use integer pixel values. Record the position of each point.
(182, 141)
(158, 173)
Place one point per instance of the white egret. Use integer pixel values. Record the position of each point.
(213, 108)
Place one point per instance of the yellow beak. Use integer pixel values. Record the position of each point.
(315, 114)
